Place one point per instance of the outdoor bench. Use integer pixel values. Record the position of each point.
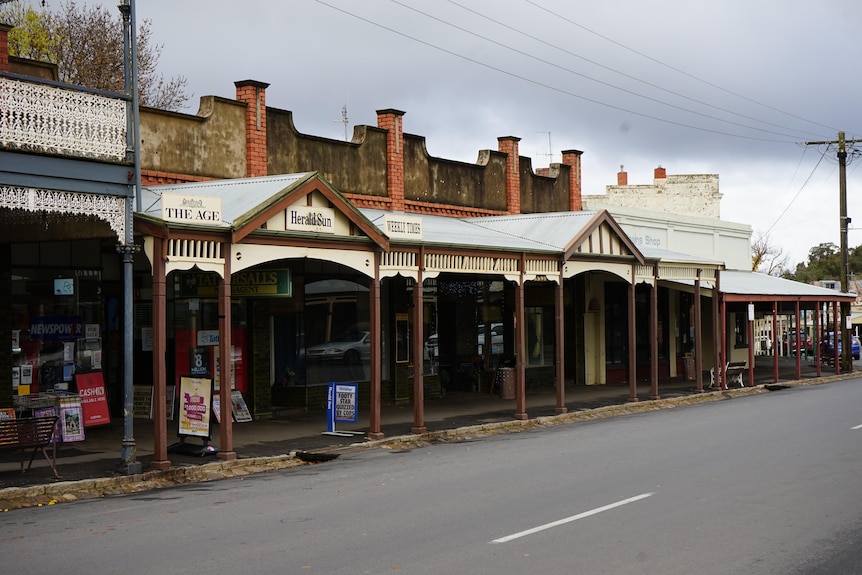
(34, 433)
(733, 372)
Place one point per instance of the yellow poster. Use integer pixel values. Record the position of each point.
(195, 398)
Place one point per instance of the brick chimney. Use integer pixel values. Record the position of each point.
(253, 94)
(622, 177)
(392, 121)
(660, 173)
(4, 47)
(509, 146)
(572, 158)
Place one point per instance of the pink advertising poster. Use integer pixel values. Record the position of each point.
(195, 402)
(91, 388)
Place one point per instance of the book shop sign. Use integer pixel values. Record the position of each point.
(191, 209)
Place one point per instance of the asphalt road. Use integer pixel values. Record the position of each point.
(754, 485)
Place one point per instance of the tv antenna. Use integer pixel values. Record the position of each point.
(550, 153)
(344, 120)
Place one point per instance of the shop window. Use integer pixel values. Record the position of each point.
(57, 325)
(337, 336)
(616, 324)
(402, 338)
(540, 336)
(194, 316)
(740, 330)
(685, 331)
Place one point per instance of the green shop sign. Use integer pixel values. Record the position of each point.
(249, 283)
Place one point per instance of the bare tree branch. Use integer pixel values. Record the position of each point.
(86, 43)
(766, 257)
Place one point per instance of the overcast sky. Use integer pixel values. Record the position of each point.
(733, 88)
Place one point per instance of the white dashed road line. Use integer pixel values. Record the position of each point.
(595, 511)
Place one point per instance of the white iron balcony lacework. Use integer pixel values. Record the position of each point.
(47, 119)
(111, 209)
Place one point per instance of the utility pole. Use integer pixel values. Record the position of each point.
(843, 223)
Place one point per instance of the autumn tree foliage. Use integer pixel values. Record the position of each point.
(86, 44)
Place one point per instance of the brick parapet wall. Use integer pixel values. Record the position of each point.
(253, 94)
(4, 47)
(509, 146)
(392, 122)
(572, 158)
(694, 195)
(153, 178)
(426, 208)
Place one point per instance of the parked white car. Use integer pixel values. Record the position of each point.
(496, 337)
(352, 348)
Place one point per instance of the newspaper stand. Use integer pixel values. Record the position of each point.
(341, 405)
(67, 406)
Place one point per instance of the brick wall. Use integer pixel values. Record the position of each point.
(686, 194)
(572, 158)
(509, 146)
(154, 178)
(4, 47)
(391, 121)
(253, 95)
(381, 167)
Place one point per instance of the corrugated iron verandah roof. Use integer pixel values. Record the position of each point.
(498, 244)
(246, 203)
(544, 240)
(744, 286)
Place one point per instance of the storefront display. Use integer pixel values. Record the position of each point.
(56, 328)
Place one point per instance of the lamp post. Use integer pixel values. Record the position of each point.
(128, 464)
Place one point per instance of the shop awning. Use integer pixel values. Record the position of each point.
(744, 286)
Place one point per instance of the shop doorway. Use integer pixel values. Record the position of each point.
(288, 350)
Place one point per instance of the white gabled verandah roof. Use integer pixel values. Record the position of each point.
(246, 206)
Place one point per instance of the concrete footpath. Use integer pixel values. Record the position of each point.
(90, 469)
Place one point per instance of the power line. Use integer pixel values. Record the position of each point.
(545, 85)
(677, 70)
(805, 183)
(570, 71)
(615, 71)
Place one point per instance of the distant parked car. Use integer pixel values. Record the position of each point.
(352, 347)
(496, 337)
(800, 341)
(431, 349)
(828, 345)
